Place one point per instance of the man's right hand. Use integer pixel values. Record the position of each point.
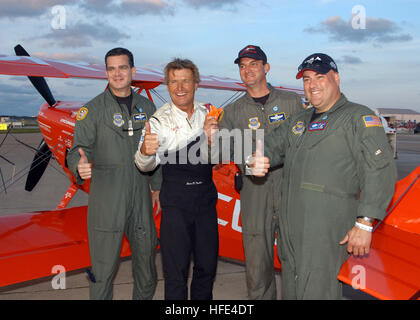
(210, 128)
(150, 142)
(84, 167)
(258, 163)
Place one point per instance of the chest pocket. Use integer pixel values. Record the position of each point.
(376, 152)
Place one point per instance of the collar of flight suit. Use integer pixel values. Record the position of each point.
(135, 100)
(115, 108)
(269, 100)
(338, 105)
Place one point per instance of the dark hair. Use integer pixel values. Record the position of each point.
(121, 52)
(178, 64)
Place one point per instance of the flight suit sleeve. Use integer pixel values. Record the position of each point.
(275, 144)
(84, 137)
(377, 169)
(156, 179)
(228, 136)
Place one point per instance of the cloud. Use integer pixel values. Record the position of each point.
(83, 34)
(210, 3)
(13, 8)
(378, 30)
(350, 60)
(130, 7)
(19, 99)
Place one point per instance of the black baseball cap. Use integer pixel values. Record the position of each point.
(318, 62)
(251, 51)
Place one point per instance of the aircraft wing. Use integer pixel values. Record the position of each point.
(144, 78)
(32, 244)
(147, 78)
(392, 268)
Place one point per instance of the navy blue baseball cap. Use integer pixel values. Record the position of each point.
(251, 51)
(318, 62)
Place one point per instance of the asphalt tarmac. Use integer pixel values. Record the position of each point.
(15, 159)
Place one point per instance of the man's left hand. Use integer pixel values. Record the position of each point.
(358, 241)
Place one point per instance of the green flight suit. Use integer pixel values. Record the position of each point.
(260, 197)
(336, 168)
(119, 200)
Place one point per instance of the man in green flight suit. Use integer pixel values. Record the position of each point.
(260, 110)
(339, 176)
(106, 136)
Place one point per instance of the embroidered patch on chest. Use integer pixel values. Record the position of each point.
(140, 117)
(254, 123)
(318, 126)
(299, 127)
(277, 117)
(118, 120)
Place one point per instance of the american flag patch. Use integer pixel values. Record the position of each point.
(372, 121)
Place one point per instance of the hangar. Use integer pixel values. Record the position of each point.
(399, 117)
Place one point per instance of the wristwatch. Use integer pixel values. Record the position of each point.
(367, 219)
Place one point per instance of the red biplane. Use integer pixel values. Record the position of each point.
(31, 244)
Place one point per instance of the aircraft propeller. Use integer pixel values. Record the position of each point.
(43, 154)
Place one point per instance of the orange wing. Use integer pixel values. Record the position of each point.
(392, 268)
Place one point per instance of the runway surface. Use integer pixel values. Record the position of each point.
(230, 281)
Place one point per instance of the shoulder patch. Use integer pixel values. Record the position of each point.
(318, 126)
(372, 121)
(82, 113)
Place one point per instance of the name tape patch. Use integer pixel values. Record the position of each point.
(140, 117)
(277, 117)
(318, 126)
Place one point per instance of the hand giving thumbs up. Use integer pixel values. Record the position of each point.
(84, 167)
(150, 142)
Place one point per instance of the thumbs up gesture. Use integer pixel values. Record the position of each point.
(150, 142)
(258, 163)
(84, 167)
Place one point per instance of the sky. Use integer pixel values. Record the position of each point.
(376, 44)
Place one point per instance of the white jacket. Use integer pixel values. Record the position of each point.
(174, 129)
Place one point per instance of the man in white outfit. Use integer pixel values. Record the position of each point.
(188, 195)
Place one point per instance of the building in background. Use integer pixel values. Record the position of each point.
(400, 117)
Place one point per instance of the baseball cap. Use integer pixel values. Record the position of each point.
(318, 62)
(253, 52)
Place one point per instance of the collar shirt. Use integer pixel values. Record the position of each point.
(174, 131)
